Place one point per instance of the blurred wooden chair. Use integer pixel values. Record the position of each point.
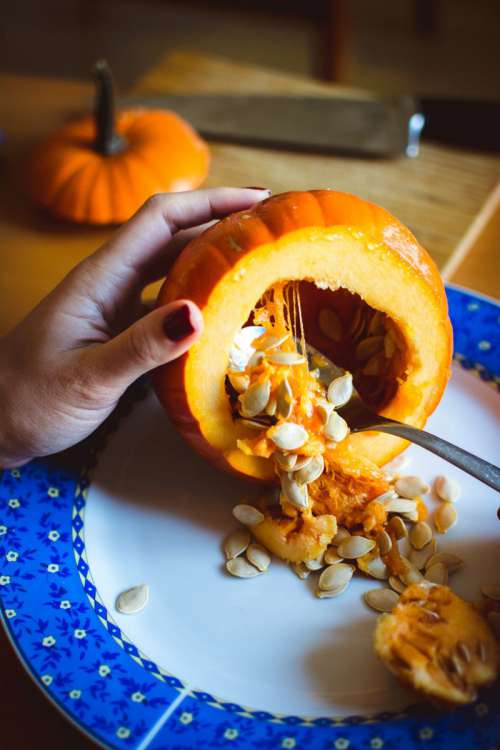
(334, 21)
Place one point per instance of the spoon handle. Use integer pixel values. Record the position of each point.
(468, 462)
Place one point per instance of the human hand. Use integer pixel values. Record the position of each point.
(64, 367)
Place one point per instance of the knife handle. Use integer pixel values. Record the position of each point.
(469, 123)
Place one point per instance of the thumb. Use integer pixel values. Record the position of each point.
(153, 340)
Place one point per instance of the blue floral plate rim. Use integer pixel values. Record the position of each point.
(142, 710)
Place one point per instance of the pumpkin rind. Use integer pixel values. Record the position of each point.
(322, 236)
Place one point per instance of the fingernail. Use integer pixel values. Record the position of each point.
(177, 325)
(253, 187)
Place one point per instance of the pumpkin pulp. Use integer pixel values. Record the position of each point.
(347, 489)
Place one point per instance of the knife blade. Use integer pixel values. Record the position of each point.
(369, 127)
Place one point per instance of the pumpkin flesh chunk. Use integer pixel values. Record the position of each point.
(438, 644)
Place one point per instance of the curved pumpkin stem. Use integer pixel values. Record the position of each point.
(107, 140)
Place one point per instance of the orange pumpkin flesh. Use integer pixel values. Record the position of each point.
(339, 253)
(100, 169)
(438, 644)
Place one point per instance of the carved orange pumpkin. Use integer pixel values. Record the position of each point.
(100, 169)
(349, 253)
(357, 280)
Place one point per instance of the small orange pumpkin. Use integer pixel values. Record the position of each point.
(100, 169)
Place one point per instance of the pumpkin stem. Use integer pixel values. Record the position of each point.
(107, 140)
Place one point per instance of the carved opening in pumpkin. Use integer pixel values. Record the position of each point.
(269, 383)
(357, 338)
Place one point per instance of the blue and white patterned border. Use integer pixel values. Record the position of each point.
(119, 697)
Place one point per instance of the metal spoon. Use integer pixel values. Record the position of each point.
(360, 419)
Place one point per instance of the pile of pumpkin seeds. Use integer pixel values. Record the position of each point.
(350, 553)
(256, 403)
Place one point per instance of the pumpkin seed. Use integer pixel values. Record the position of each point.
(400, 505)
(340, 390)
(398, 527)
(239, 381)
(376, 324)
(385, 496)
(329, 324)
(341, 535)
(241, 568)
(412, 516)
(389, 345)
(288, 436)
(396, 465)
(482, 651)
(324, 408)
(296, 494)
(256, 359)
(332, 557)
(491, 591)
(445, 516)
(437, 573)
(284, 399)
(373, 566)
(316, 564)
(357, 323)
(301, 462)
(271, 407)
(355, 546)
(369, 346)
(411, 487)
(236, 543)
(331, 593)
(285, 462)
(452, 562)
(420, 557)
(335, 576)
(494, 622)
(300, 570)
(381, 600)
(311, 471)
(255, 398)
(336, 428)
(286, 359)
(447, 489)
(132, 600)
(384, 542)
(253, 424)
(420, 535)
(410, 574)
(259, 557)
(430, 615)
(247, 514)
(463, 651)
(396, 584)
(375, 365)
(272, 341)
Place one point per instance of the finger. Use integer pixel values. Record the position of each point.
(153, 340)
(159, 266)
(149, 232)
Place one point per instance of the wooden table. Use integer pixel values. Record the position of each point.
(446, 196)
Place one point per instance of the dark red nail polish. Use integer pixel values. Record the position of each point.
(253, 187)
(177, 325)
